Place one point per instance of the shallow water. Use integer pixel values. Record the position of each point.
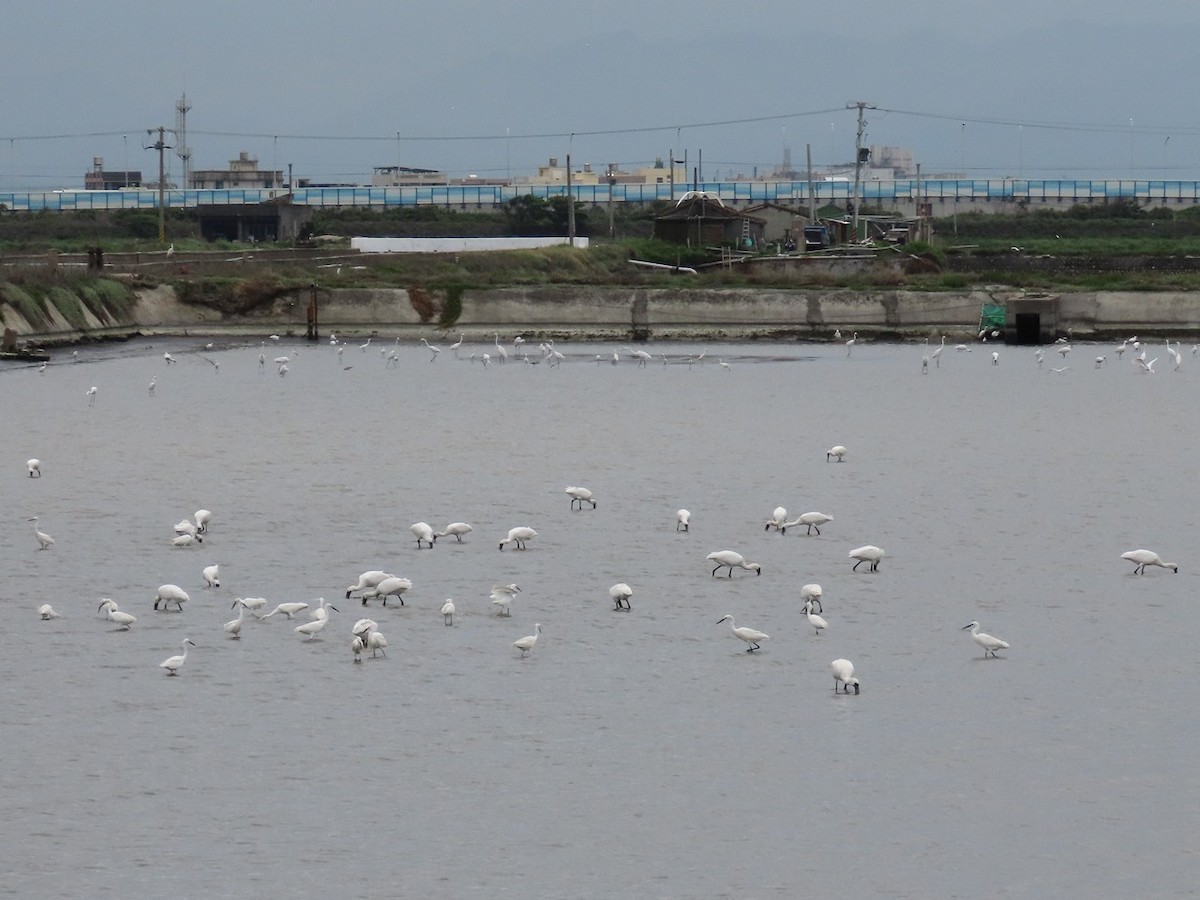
(637, 754)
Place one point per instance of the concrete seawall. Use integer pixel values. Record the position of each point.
(638, 313)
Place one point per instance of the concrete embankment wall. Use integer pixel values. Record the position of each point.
(633, 313)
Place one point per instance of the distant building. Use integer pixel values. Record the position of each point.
(243, 174)
(101, 180)
(404, 176)
(701, 220)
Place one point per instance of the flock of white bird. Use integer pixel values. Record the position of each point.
(377, 584)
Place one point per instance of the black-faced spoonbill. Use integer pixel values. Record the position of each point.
(519, 536)
(422, 531)
(34, 466)
(202, 517)
(838, 453)
(46, 611)
(448, 612)
(580, 495)
(810, 520)
(392, 586)
(121, 619)
(44, 540)
(749, 635)
(458, 529)
(526, 644)
(778, 520)
(989, 644)
(729, 559)
(174, 663)
(620, 594)
(683, 517)
(1145, 558)
(867, 554)
(212, 576)
(170, 593)
(812, 592)
(843, 675)
(367, 580)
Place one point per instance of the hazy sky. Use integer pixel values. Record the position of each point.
(1062, 89)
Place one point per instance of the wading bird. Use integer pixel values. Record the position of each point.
(729, 559)
(526, 644)
(1145, 558)
(867, 554)
(989, 644)
(519, 536)
(749, 635)
(174, 663)
(843, 675)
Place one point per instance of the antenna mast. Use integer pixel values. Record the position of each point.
(182, 150)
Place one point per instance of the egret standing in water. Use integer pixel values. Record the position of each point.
(814, 620)
(749, 635)
(989, 644)
(843, 675)
(174, 663)
(122, 619)
(44, 540)
(234, 627)
(526, 644)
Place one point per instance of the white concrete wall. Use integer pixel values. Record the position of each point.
(457, 245)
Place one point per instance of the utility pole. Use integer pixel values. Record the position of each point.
(858, 157)
(160, 145)
(570, 206)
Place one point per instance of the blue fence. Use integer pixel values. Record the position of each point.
(742, 193)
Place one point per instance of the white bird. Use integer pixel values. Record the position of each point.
(150, 387)
(458, 529)
(519, 536)
(1146, 367)
(620, 594)
(683, 517)
(91, 395)
(363, 627)
(837, 452)
(1121, 349)
(1100, 361)
(1145, 558)
(1063, 350)
(989, 644)
(448, 612)
(212, 575)
(34, 467)
(322, 610)
(502, 597)
(376, 642)
(1176, 358)
(254, 604)
(432, 349)
(501, 353)
(170, 250)
(44, 540)
(810, 520)
(170, 593)
(867, 554)
(184, 526)
(313, 628)
(356, 646)
(367, 580)
(850, 343)
(234, 627)
(186, 540)
(423, 532)
(724, 365)
(526, 644)
(580, 495)
(814, 620)
(202, 518)
(288, 609)
(283, 370)
(640, 355)
(462, 337)
(729, 559)
(811, 593)
(778, 520)
(46, 611)
(392, 586)
(174, 663)
(837, 334)
(936, 355)
(843, 675)
(995, 358)
(168, 358)
(749, 635)
(122, 619)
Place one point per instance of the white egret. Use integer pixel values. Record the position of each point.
(321, 612)
(749, 635)
(122, 619)
(811, 593)
(458, 529)
(989, 644)
(620, 594)
(367, 580)
(519, 536)
(46, 611)
(212, 575)
(724, 365)
(423, 532)
(502, 597)
(580, 495)
(728, 559)
(867, 554)
(174, 663)
(501, 353)
(234, 627)
(91, 395)
(936, 355)
(254, 604)
(1145, 558)
(168, 358)
(995, 358)
(683, 517)
(448, 611)
(462, 337)
(814, 620)
(526, 644)
(838, 452)
(392, 586)
(150, 387)
(850, 343)
(170, 593)
(288, 609)
(356, 646)
(843, 675)
(311, 629)
(778, 519)
(376, 642)
(432, 349)
(44, 540)
(810, 520)
(34, 467)
(640, 355)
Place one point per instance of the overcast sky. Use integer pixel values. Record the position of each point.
(1029, 88)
